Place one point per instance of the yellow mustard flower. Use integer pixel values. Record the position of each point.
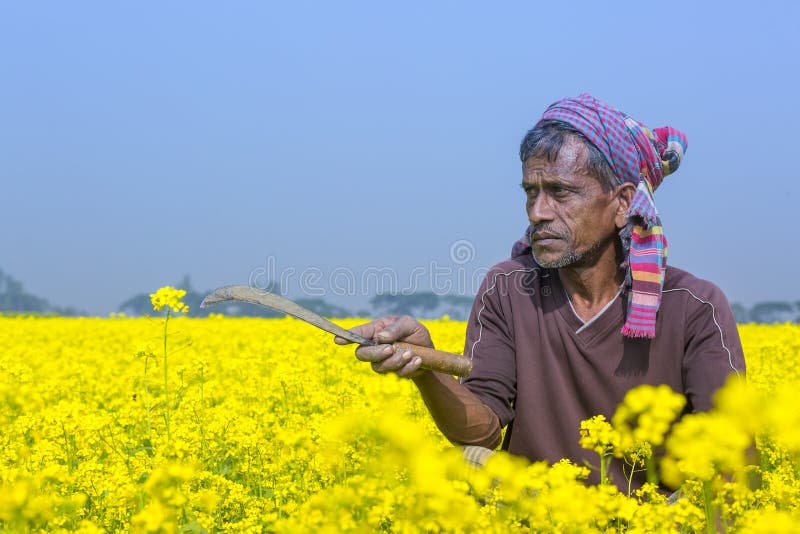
(169, 297)
(264, 438)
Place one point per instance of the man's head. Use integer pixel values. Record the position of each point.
(573, 200)
(575, 203)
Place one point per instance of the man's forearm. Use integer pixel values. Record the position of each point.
(461, 416)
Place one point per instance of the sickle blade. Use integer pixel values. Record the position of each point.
(281, 304)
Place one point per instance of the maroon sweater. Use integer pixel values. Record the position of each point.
(542, 370)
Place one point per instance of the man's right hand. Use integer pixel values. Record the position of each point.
(461, 416)
(383, 357)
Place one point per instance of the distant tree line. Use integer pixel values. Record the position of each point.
(140, 305)
(422, 304)
(770, 312)
(14, 299)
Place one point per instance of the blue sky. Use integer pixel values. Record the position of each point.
(143, 141)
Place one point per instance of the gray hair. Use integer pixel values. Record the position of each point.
(548, 136)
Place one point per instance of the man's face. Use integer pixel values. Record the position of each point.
(573, 218)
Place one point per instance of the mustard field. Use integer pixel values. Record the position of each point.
(265, 425)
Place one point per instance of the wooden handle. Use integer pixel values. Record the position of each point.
(438, 360)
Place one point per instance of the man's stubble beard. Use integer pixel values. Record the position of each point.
(571, 256)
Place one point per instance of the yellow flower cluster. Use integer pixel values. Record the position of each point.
(169, 297)
(638, 425)
(645, 415)
(597, 434)
(275, 428)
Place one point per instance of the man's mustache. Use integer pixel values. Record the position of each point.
(548, 231)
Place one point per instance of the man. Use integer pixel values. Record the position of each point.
(586, 308)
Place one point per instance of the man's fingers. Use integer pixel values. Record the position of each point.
(393, 363)
(383, 358)
(375, 353)
(410, 368)
(399, 329)
(366, 331)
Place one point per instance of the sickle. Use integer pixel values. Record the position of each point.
(435, 360)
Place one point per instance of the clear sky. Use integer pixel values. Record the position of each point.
(141, 141)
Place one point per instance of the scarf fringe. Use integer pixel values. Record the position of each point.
(629, 331)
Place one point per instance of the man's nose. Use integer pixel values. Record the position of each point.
(540, 209)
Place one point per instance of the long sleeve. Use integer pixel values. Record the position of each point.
(460, 415)
(490, 345)
(713, 350)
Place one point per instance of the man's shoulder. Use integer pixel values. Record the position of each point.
(680, 282)
(513, 278)
(518, 264)
(521, 271)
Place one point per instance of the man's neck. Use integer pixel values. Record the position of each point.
(592, 285)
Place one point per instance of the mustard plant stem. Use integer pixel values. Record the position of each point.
(166, 382)
(147, 396)
(708, 508)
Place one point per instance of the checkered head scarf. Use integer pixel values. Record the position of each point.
(643, 157)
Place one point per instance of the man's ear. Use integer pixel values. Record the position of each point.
(624, 196)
